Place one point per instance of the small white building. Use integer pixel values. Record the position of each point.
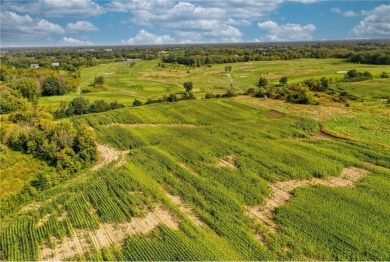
(55, 64)
(34, 65)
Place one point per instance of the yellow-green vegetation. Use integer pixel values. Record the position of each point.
(17, 170)
(176, 149)
(146, 79)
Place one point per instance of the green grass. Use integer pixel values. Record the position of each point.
(369, 124)
(147, 80)
(17, 170)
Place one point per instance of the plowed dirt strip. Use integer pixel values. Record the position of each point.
(107, 234)
(282, 192)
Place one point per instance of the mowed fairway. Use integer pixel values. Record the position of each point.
(201, 165)
(147, 80)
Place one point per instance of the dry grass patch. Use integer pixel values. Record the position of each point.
(228, 161)
(177, 200)
(282, 192)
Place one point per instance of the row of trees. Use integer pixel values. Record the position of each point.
(81, 105)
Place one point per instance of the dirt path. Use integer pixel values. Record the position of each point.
(282, 192)
(107, 234)
(108, 154)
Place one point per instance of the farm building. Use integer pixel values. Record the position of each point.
(34, 65)
(55, 64)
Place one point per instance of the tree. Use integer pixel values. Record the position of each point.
(283, 80)
(99, 106)
(52, 86)
(262, 81)
(80, 105)
(352, 74)
(99, 81)
(188, 86)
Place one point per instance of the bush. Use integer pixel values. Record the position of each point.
(136, 102)
(209, 95)
(262, 81)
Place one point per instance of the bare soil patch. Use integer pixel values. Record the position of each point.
(185, 209)
(31, 207)
(107, 234)
(275, 114)
(228, 161)
(44, 219)
(108, 154)
(321, 135)
(282, 192)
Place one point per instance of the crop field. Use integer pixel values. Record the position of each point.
(124, 83)
(184, 176)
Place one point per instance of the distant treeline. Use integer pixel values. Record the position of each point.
(369, 53)
(364, 51)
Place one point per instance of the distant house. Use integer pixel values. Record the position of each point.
(34, 65)
(108, 50)
(55, 64)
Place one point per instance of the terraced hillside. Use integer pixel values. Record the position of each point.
(187, 181)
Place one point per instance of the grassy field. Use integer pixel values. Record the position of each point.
(147, 80)
(204, 163)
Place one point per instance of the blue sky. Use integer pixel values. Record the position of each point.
(140, 22)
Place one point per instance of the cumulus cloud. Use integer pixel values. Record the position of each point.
(81, 26)
(286, 32)
(74, 41)
(145, 38)
(24, 28)
(376, 24)
(56, 8)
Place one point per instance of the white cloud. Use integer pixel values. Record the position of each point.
(286, 32)
(145, 38)
(376, 24)
(81, 26)
(16, 27)
(238, 22)
(56, 8)
(349, 13)
(74, 41)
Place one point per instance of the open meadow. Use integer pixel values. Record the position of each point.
(146, 79)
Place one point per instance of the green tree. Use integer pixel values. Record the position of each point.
(80, 105)
(51, 86)
(262, 81)
(188, 86)
(283, 80)
(99, 81)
